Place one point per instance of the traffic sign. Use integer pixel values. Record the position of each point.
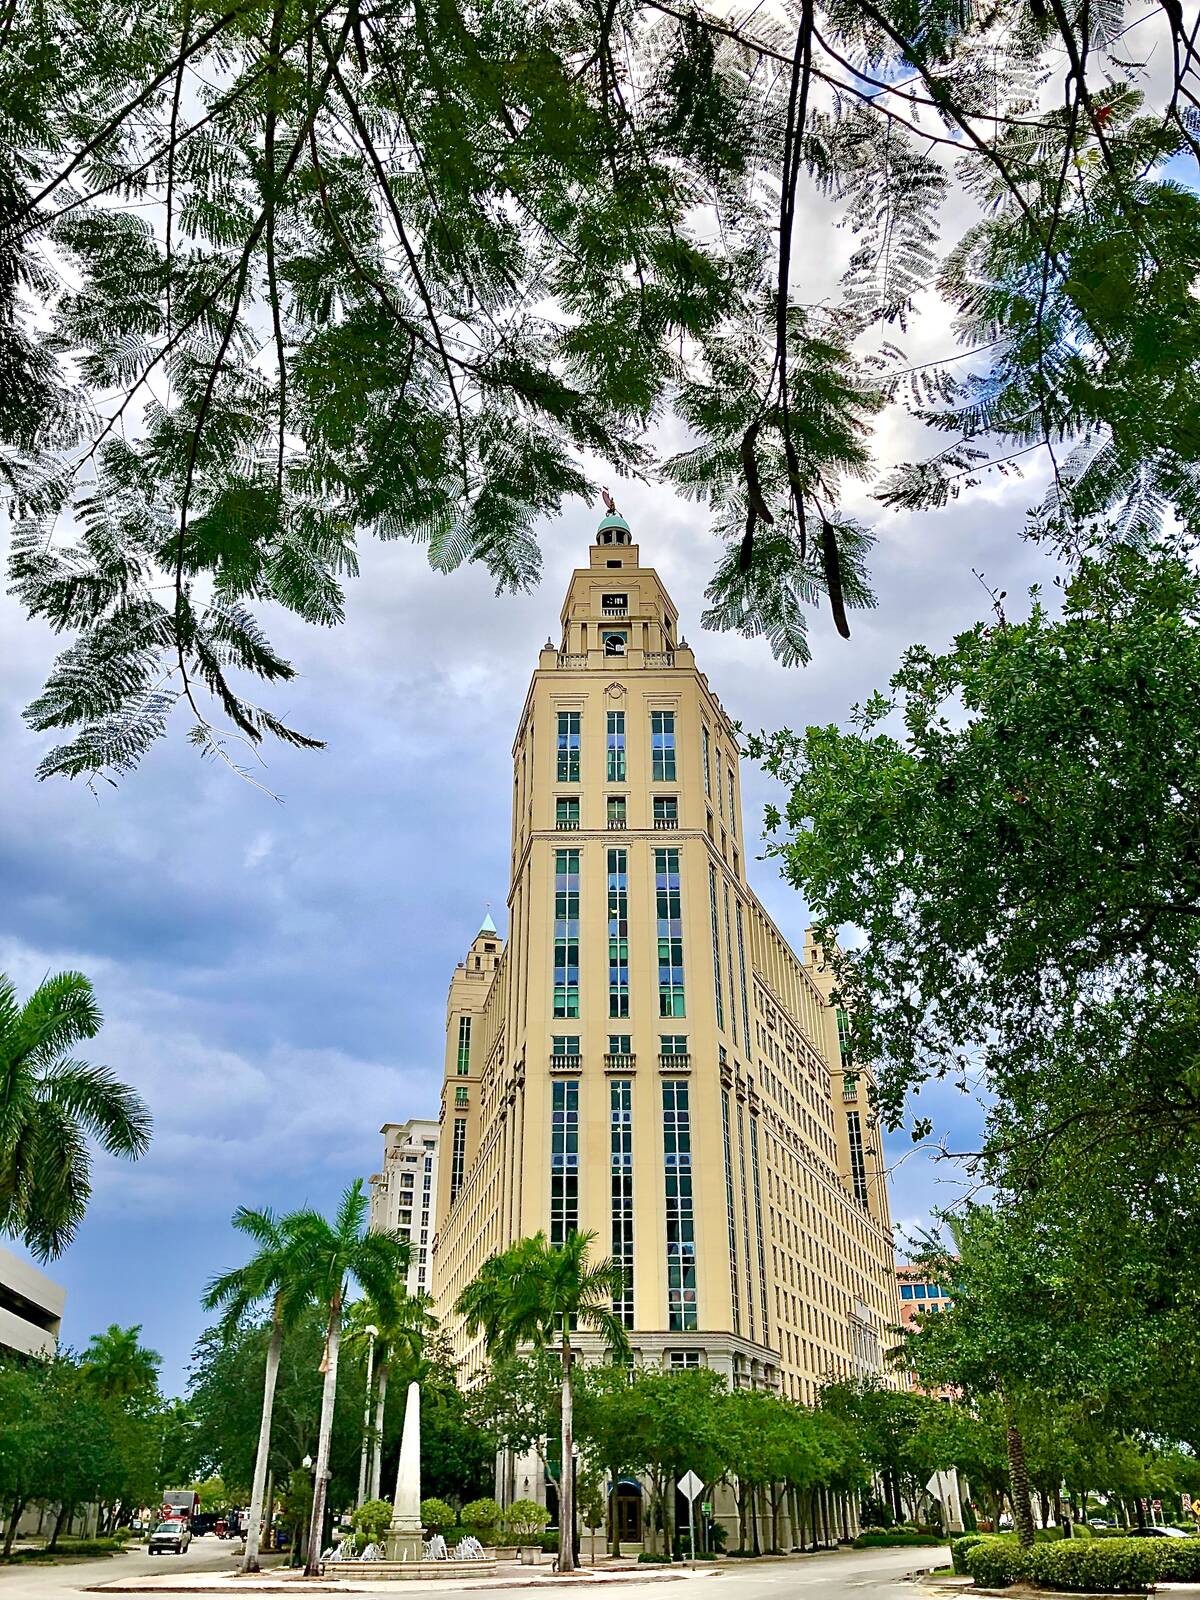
(690, 1485)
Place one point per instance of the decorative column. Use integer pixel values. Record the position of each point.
(404, 1535)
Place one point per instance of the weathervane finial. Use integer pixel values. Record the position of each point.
(610, 505)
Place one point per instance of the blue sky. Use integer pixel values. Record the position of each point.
(274, 975)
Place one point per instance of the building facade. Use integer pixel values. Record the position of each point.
(402, 1194)
(31, 1308)
(646, 1057)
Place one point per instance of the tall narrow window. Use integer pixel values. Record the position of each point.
(732, 807)
(566, 813)
(843, 1028)
(716, 938)
(564, 1159)
(662, 746)
(566, 933)
(618, 934)
(681, 1231)
(729, 948)
(621, 1114)
(762, 1247)
(464, 1044)
(670, 933)
(706, 758)
(737, 906)
(858, 1164)
(741, 1121)
(567, 768)
(727, 1141)
(458, 1157)
(616, 747)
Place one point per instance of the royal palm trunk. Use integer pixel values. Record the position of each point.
(261, 1460)
(321, 1472)
(566, 1476)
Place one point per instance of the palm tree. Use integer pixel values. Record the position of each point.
(118, 1366)
(277, 1271)
(334, 1253)
(49, 1104)
(536, 1294)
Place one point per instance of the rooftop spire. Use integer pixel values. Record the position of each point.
(487, 925)
(613, 528)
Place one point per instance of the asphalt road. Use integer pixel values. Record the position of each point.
(208, 1554)
(845, 1575)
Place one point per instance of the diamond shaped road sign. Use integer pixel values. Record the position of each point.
(690, 1485)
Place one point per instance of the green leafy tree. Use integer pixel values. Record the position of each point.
(608, 1417)
(27, 1438)
(278, 1272)
(678, 1430)
(316, 320)
(49, 1105)
(535, 1294)
(519, 1401)
(332, 1254)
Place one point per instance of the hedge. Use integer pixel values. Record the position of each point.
(1178, 1559)
(959, 1548)
(880, 1538)
(1113, 1566)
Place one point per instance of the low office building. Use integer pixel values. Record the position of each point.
(402, 1193)
(31, 1308)
(646, 1057)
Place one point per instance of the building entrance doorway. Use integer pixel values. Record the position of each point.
(627, 1512)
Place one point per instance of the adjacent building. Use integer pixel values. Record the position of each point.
(646, 1056)
(31, 1308)
(402, 1195)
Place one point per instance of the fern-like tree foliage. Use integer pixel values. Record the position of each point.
(276, 275)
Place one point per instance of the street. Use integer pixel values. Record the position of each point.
(877, 1574)
(206, 1555)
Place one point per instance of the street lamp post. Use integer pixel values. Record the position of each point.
(372, 1334)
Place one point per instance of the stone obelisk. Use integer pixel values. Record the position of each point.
(404, 1535)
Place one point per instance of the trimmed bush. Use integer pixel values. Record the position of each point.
(995, 1563)
(437, 1515)
(1176, 1560)
(882, 1538)
(654, 1560)
(525, 1520)
(483, 1518)
(372, 1520)
(1120, 1566)
(959, 1548)
(549, 1542)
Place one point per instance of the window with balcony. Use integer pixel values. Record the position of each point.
(614, 605)
(566, 813)
(666, 811)
(617, 815)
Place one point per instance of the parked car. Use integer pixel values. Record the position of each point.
(1158, 1533)
(174, 1536)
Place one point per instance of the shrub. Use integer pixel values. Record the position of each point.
(525, 1519)
(881, 1538)
(959, 1548)
(372, 1519)
(656, 1560)
(1176, 1560)
(437, 1516)
(995, 1563)
(1119, 1566)
(549, 1542)
(483, 1518)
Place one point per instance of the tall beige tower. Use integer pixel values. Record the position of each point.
(646, 1058)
